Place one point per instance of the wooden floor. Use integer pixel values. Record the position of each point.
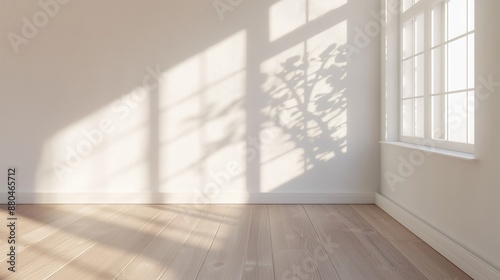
(218, 242)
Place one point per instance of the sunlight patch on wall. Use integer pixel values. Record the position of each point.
(306, 107)
(286, 16)
(201, 117)
(103, 152)
(318, 8)
(179, 132)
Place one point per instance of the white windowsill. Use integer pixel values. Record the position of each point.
(444, 152)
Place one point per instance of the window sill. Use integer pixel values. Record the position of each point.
(444, 152)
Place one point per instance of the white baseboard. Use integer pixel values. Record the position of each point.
(462, 258)
(190, 198)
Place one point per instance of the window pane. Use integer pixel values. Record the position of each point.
(438, 117)
(471, 117)
(437, 25)
(419, 75)
(408, 117)
(408, 38)
(437, 70)
(419, 117)
(457, 65)
(442, 72)
(457, 18)
(408, 78)
(419, 33)
(457, 117)
(471, 65)
(471, 15)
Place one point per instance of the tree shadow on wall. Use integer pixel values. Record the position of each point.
(306, 101)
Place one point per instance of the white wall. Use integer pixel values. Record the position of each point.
(221, 85)
(456, 197)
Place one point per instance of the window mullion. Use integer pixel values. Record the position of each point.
(427, 72)
(467, 73)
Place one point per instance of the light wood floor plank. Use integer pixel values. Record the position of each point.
(45, 257)
(259, 254)
(114, 251)
(29, 219)
(49, 224)
(33, 211)
(189, 260)
(226, 258)
(27, 216)
(220, 242)
(155, 260)
(297, 249)
(356, 249)
(427, 260)
(242, 248)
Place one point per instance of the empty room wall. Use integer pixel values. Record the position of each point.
(457, 197)
(190, 101)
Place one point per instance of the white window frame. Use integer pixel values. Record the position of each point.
(425, 7)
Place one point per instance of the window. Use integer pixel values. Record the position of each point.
(437, 73)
